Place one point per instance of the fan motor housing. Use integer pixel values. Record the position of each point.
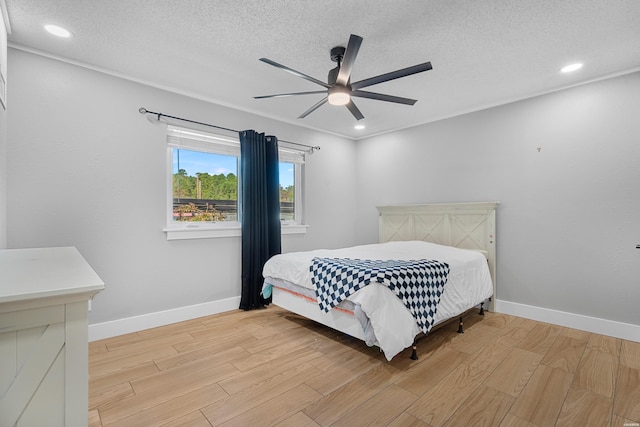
(337, 53)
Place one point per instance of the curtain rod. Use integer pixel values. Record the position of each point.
(143, 110)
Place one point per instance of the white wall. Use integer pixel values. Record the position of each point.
(569, 217)
(3, 179)
(86, 169)
(3, 138)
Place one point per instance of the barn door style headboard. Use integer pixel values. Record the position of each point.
(462, 225)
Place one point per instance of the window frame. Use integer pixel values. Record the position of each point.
(196, 140)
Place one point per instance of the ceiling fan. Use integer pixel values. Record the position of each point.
(339, 90)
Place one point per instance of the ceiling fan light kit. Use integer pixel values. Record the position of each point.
(338, 96)
(339, 90)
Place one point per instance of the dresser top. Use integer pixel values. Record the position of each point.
(27, 274)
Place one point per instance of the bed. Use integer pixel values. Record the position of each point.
(460, 236)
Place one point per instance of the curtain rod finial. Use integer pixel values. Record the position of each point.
(142, 110)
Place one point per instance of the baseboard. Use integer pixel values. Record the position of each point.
(611, 328)
(114, 328)
(98, 331)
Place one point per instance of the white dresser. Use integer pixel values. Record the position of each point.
(43, 336)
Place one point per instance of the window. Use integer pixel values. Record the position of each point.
(203, 189)
(291, 172)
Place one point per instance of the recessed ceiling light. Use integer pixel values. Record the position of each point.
(359, 127)
(571, 67)
(58, 31)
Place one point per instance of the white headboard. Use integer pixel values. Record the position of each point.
(462, 225)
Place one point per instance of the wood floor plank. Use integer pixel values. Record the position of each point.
(277, 409)
(515, 332)
(341, 401)
(174, 381)
(605, 344)
(618, 421)
(212, 351)
(427, 374)
(173, 409)
(512, 421)
(194, 419)
(540, 338)
(597, 372)
(227, 326)
(350, 367)
(630, 354)
(108, 364)
(523, 323)
(428, 344)
(585, 408)
(224, 328)
(97, 347)
(439, 403)
(407, 420)
(336, 348)
(279, 339)
(139, 342)
(227, 339)
(143, 403)
(485, 407)
(94, 419)
(576, 334)
(97, 384)
(473, 340)
(497, 320)
(246, 379)
(121, 341)
(380, 409)
(110, 395)
(489, 356)
(299, 419)
(565, 353)
(275, 329)
(271, 354)
(188, 326)
(513, 373)
(248, 398)
(627, 399)
(541, 400)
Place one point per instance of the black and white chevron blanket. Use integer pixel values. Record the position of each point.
(418, 283)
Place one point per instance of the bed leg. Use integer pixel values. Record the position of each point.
(481, 309)
(460, 330)
(414, 354)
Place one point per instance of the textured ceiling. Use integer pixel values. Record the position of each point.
(484, 52)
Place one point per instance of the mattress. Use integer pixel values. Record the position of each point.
(386, 322)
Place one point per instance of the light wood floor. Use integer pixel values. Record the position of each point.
(270, 367)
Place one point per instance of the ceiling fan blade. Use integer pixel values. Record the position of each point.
(392, 75)
(313, 108)
(349, 59)
(354, 110)
(383, 97)
(280, 95)
(294, 72)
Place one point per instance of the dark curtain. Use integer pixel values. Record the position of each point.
(260, 205)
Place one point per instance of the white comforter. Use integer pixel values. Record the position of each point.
(469, 283)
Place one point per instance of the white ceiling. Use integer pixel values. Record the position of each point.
(483, 52)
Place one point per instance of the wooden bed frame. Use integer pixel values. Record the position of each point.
(462, 225)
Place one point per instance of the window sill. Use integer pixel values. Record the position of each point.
(217, 232)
